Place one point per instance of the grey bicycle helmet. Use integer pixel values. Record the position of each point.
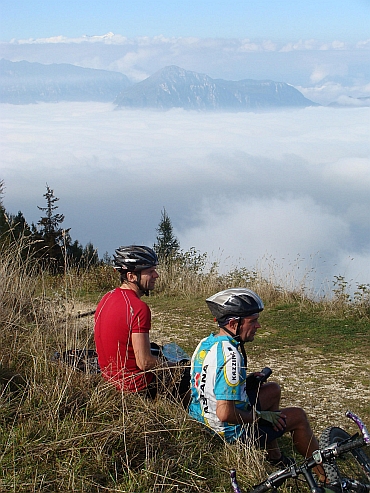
(134, 258)
(234, 303)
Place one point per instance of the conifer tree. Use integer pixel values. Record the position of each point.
(50, 224)
(75, 252)
(51, 233)
(4, 226)
(90, 255)
(167, 246)
(19, 226)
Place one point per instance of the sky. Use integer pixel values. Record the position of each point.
(323, 20)
(288, 190)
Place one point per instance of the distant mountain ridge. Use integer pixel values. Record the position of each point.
(171, 87)
(24, 82)
(174, 87)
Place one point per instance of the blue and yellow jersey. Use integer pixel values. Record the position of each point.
(217, 373)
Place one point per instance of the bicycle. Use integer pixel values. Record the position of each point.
(338, 452)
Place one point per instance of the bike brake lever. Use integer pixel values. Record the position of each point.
(317, 456)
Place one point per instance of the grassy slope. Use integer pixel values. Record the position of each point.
(65, 431)
(291, 323)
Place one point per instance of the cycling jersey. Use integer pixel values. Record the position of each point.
(218, 373)
(119, 314)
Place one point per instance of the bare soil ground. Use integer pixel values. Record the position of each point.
(324, 387)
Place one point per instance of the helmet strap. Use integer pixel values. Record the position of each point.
(236, 336)
(138, 284)
(242, 348)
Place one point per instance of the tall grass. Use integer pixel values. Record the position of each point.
(68, 431)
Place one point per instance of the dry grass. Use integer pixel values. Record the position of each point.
(63, 430)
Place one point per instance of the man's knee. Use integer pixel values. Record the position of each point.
(295, 417)
(270, 390)
(269, 396)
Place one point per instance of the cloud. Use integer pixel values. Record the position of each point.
(354, 102)
(291, 185)
(319, 73)
(247, 46)
(304, 62)
(242, 44)
(326, 92)
(313, 45)
(363, 44)
(285, 239)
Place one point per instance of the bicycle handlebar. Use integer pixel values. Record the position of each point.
(234, 483)
(262, 488)
(277, 478)
(336, 450)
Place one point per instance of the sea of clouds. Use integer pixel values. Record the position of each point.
(285, 191)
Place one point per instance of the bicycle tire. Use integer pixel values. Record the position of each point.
(354, 465)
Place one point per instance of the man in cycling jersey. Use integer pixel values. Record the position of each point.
(122, 325)
(222, 397)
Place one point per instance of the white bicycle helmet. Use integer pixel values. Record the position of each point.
(234, 303)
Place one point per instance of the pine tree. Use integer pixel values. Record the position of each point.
(90, 255)
(75, 252)
(4, 225)
(167, 246)
(54, 238)
(19, 226)
(50, 224)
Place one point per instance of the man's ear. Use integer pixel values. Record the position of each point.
(131, 276)
(233, 324)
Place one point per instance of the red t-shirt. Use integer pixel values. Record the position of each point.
(119, 314)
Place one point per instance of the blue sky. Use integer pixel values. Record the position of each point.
(347, 20)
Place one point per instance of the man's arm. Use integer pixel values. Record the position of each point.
(226, 411)
(144, 358)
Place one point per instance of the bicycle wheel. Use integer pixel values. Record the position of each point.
(354, 465)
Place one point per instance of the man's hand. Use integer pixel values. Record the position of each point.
(272, 417)
(255, 379)
(252, 380)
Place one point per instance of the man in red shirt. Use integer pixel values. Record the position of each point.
(122, 325)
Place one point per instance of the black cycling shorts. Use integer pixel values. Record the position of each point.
(261, 434)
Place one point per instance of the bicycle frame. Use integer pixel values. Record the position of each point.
(277, 478)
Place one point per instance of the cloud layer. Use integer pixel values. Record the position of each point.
(246, 188)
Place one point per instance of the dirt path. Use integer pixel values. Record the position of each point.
(325, 389)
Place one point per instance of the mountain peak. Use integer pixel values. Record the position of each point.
(173, 86)
(170, 87)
